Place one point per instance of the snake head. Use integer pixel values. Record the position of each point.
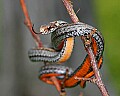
(46, 29)
(52, 26)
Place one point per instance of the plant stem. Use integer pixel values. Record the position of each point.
(38, 42)
(29, 24)
(70, 10)
(98, 82)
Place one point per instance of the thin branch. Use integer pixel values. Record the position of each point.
(29, 24)
(92, 80)
(38, 42)
(58, 86)
(70, 10)
(99, 82)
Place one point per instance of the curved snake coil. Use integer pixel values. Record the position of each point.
(62, 39)
(58, 70)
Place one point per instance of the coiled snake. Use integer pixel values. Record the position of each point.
(62, 39)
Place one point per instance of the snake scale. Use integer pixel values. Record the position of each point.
(62, 39)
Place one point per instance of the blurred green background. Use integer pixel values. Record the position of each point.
(18, 76)
(108, 19)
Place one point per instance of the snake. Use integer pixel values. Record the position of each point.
(62, 39)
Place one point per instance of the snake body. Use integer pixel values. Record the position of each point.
(62, 38)
(59, 55)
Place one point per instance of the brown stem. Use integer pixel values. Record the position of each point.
(99, 82)
(54, 80)
(92, 80)
(75, 19)
(70, 10)
(29, 24)
(58, 86)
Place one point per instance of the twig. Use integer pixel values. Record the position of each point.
(70, 10)
(58, 86)
(92, 80)
(98, 82)
(29, 24)
(38, 42)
